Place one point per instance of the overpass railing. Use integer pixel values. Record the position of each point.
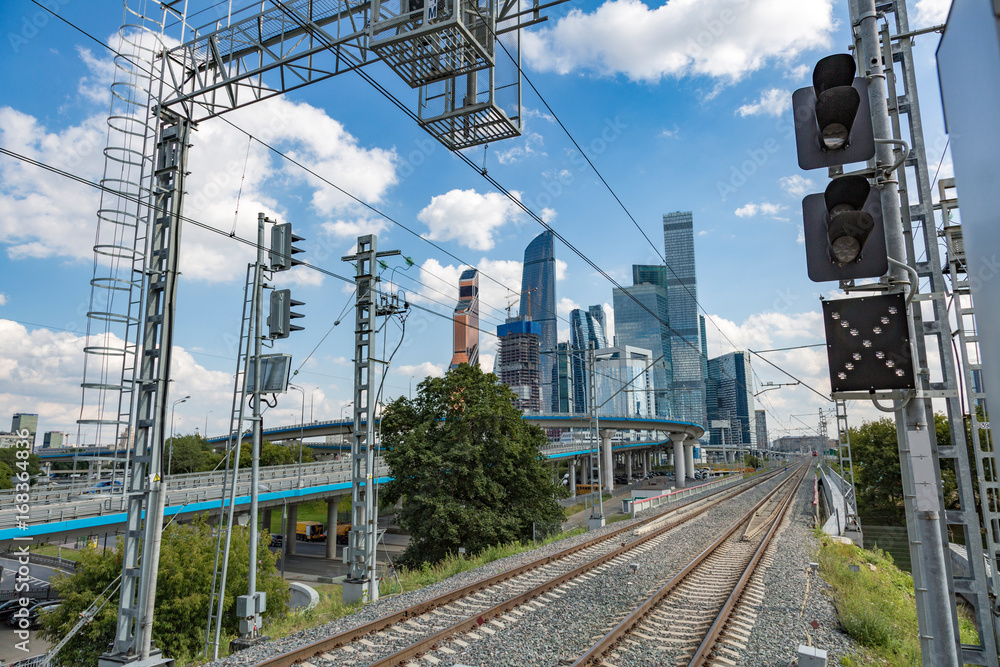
(642, 504)
(202, 487)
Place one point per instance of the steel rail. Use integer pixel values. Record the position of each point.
(594, 656)
(706, 646)
(343, 638)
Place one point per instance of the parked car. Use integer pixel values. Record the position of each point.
(105, 487)
(277, 540)
(34, 614)
(10, 606)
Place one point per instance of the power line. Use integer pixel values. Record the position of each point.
(465, 159)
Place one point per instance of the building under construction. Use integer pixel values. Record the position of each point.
(466, 336)
(517, 363)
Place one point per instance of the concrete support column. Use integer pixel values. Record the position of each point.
(331, 527)
(291, 529)
(689, 459)
(678, 440)
(628, 467)
(607, 463)
(572, 476)
(645, 461)
(266, 523)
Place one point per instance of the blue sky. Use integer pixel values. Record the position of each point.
(682, 106)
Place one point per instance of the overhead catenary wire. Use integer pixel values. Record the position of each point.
(483, 173)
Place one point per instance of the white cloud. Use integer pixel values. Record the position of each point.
(3, 299)
(565, 306)
(932, 12)
(548, 215)
(797, 73)
(561, 268)
(468, 217)
(796, 185)
(420, 371)
(715, 38)
(772, 102)
(351, 229)
(41, 370)
(751, 210)
(486, 362)
(670, 133)
(532, 144)
(43, 215)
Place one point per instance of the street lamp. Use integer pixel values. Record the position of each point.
(302, 419)
(206, 423)
(170, 458)
(315, 389)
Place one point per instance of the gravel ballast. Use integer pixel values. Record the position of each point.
(562, 625)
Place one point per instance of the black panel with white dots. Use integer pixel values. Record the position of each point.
(868, 343)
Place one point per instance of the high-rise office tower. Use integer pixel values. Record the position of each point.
(25, 421)
(518, 361)
(466, 334)
(538, 302)
(687, 342)
(760, 426)
(731, 400)
(586, 328)
(641, 317)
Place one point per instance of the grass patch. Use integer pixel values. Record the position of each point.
(876, 605)
(56, 552)
(579, 507)
(413, 579)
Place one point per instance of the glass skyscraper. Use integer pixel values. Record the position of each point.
(538, 301)
(687, 342)
(585, 327)
(645, 326)
(730, 398)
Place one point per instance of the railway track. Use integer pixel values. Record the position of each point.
(694, 619)
(429, 627)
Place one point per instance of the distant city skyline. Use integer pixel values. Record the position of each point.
(538, 302)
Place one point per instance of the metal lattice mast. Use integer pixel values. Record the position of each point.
(362, 579)
(142, 538)
(596, 480)
(919, 225)
(916, 437)
(984, 451)
(853, 521)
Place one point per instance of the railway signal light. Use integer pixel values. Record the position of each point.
(282, 256)
(279, 322)
(833, 124)
(844, 233)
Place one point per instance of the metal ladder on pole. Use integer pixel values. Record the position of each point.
(919, 225)
(852, 521)
(596, 482)
(216, 605)
(977, 415)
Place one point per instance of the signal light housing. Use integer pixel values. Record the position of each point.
(279, 322)
(282, 255)
(843, 231)
(868, 343)
(833, 123)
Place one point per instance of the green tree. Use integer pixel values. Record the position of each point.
(276, 455)
(191, 454)
(465, 465)
(187, 556)
(5, 476)
(877, 473)
(8, 456)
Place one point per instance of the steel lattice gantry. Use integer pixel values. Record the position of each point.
(468, 93)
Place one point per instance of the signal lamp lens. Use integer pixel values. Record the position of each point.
(835, 136)
(845, 249)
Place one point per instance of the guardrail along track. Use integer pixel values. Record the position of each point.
(681, 623)
(412, 631)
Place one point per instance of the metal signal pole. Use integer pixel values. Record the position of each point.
(362, 579)
(915, 431)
